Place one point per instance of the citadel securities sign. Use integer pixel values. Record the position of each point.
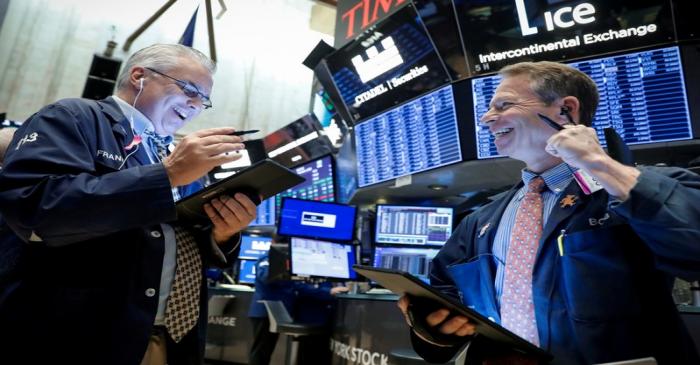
(354, 16)
(576, 29)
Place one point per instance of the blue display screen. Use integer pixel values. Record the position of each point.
(265, 213)
(411, 225)
(305, 218)
(246, 271)
(322, 258)
(415, 261)
(254, 247)
(318, 185)
(642, 96)
(417, 136)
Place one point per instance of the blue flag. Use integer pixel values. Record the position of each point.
(188, 36)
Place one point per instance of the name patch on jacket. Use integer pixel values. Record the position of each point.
(110, 156)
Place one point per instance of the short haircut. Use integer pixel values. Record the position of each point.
(162, 57)
(552, 80)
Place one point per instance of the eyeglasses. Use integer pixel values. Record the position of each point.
(187, 88)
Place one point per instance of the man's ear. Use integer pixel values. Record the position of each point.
(570, 109)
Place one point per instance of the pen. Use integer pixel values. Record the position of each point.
(550, 122)
(240, 133)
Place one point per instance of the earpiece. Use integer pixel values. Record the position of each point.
(565, 112)
(141, 83)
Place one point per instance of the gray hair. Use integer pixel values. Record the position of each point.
(552, 80)
(162, 57)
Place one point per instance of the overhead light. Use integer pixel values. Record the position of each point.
(437, 187)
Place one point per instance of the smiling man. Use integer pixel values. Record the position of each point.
(106, 274)
(582, 272)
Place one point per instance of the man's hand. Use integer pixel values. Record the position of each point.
(229, 215)
(457, 325)
(200, 152)
(578, 146)
(339, 289)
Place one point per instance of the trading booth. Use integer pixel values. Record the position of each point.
(407, 82)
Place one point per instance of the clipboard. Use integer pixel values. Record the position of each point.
(264, 178)
(402, 283)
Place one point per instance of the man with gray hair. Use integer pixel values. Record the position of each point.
(579, 257)
(107, 274)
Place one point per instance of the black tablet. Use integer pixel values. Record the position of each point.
(402, 283)
(262, 179)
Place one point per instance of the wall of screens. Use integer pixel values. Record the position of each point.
(642, 95)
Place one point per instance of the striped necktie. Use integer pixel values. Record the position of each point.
(517, 306)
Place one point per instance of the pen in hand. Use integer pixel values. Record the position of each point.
(240, 133)
(550, 122)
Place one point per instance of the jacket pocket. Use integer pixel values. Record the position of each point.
(467, 278)
(598, 274)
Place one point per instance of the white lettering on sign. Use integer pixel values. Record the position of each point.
(564, 17)
(377, 62)
(358, 355)
(222, 321)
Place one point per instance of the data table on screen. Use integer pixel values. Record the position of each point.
(417, 136)
(642, 95)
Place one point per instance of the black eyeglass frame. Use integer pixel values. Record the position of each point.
(187, 88)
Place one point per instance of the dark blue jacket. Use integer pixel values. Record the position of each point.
(89, 210)
(608, 297)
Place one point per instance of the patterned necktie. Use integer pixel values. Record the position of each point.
(517, 306)
(182, 309)
(158, 143)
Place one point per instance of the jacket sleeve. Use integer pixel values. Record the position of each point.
(453, 251)
(663, 210)
(52, 192)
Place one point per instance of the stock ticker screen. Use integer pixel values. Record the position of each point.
(415, 261)
(318, 185)
(411, 225)
(417, 136)
(642, 95)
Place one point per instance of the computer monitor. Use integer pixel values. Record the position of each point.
(253, 246)
(322, 259)
(319, 184)
(393, 61)
(265, 213)
(642, 95)
(310, 219)
(246, 271)
(416, 261)
(419, 135)
(413, 225)
(298, 142)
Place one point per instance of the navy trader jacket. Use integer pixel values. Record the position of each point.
(605, 295)
(85, 289)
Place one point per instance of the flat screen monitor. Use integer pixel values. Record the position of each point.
(346, 170)
(253, 247)
(322, 259)
(298, 142)
(419, 135)
(642, 95)
(246, 271)
(413, 225)
(393, 61)
(413, 260)
(501, 32)
(306, 218)
(265, 213)
(441, 22)
(319, 184)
